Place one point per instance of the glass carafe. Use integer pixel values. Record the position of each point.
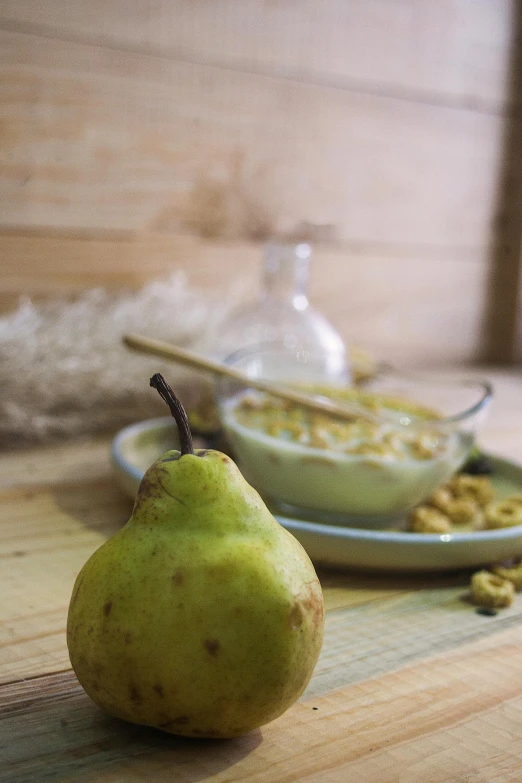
(282, 315)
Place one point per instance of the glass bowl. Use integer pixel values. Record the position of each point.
(412, 434)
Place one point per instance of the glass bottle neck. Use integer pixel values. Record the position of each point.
(285, 274)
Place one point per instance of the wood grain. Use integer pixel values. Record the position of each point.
(59, 503)
(453, 51)
(67, 522)
(40, 526)
(412, 684)
(517, 349)
(140, 139)
(504, 321)
(435, 720)
(64, 263)
(98, 138)
(413, 305)
(65, 462)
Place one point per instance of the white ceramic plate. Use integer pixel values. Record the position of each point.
(137, 446)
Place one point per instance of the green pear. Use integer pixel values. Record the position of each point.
(202, 616)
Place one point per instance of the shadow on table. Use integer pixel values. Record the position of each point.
(346, 579)
(101, 506)
(57, 734)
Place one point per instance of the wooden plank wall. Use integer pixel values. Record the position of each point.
(141, 137)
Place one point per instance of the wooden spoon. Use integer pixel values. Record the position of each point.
(319, 404)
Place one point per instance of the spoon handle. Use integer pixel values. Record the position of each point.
(345, 412)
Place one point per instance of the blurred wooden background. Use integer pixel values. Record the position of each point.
(137, 138)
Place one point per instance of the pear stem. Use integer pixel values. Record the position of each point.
(159, 383)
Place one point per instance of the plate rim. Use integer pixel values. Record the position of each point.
(324, 529)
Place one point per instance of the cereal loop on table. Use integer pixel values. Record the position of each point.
(503, 513)
(491, 590)
(513, 575)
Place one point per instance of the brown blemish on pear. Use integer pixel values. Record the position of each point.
(296, 616)
(307, 603)
(212, 646)
(178, 577)
(149, 490)
(134, 694)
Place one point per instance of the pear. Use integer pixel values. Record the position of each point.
(202, 616)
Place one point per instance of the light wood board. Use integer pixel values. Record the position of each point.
(106, 139)
(375, 128)
(415, 306)
(412, 684)
(450, 718)
(452, 51)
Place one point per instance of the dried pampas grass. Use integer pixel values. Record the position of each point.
(65, 372)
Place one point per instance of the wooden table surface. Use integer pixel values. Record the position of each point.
(412, 684)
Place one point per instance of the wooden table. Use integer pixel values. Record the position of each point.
(412, 684)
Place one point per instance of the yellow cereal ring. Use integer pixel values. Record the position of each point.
(424, 519)
(503, 513)
(513, 575)
(491, 590)
(461, 511)
(441, 499)
(478, 488)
